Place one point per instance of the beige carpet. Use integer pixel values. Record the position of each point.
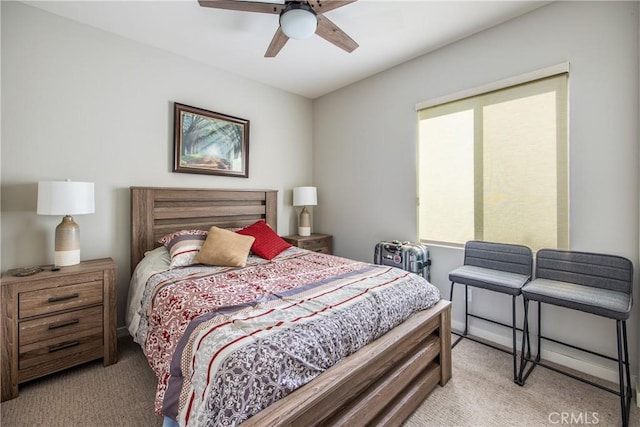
(89, 395)
(481, 393)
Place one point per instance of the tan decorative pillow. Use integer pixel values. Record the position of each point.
(225, 248)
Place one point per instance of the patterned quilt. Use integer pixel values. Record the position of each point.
(226, 343)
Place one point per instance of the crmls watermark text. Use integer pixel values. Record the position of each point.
(574, 418)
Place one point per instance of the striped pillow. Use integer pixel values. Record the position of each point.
(183, 246)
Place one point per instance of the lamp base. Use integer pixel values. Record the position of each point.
(304, 224)
(66, 258)
(67, 246)
(304, 231)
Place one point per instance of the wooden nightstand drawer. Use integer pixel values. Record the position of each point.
(317, 245)
(46, 301)
(58, 353)
(51, 327)
(322, 243)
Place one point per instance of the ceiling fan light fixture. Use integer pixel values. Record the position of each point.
(298, 21)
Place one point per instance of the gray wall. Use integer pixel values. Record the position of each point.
(84, 104)
(364, 150)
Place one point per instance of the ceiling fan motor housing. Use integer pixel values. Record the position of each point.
(298, 21)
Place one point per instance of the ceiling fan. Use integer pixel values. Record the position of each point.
(298, 20)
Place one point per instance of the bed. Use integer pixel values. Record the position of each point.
(381, 383)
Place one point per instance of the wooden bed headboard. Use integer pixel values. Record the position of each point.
(158, 211)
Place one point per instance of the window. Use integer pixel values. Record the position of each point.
(494, 167)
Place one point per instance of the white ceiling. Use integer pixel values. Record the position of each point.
(389, 32)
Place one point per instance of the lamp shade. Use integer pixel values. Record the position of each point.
(298, 21)
(305, 196)
(65, 198)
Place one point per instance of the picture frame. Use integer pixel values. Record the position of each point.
(206, 142)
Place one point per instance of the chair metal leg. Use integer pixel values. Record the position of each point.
(626, 364)
(460, 337)
(466, 309)
(625, 381)
(528, 336)
(539, 331)
(466, 315)
(525, 337)
(513, 334)
(525, 355)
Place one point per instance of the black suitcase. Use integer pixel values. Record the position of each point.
(408, 256)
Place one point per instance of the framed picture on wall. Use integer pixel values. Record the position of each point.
(210, 143)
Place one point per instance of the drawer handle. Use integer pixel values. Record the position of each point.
(63, 323)
(63, 298)
(62, 346)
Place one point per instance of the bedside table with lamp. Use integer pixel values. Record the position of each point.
(308, 196)
(61, 315)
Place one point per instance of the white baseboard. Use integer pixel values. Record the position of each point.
(571, 361)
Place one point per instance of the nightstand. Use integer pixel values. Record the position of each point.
(53, 320)
(316, 242)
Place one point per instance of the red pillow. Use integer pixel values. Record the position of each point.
(267, 244)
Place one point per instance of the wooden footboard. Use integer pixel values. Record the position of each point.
(381, 384)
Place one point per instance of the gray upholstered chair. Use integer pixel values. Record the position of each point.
(592, 283)
(497, 267)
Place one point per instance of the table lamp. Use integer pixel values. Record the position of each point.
(304, 196)
(66, 198)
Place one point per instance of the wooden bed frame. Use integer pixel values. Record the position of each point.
(381, 384)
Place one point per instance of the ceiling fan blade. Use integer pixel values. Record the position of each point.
(277, 42)
(246, 6)
(333, 34)
(322, 6)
